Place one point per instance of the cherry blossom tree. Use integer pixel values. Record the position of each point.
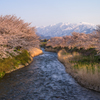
(79, 40)
(15, 33)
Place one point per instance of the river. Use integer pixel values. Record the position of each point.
(44, 79)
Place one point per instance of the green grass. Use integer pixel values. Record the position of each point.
(65, 53)
(83, 59)
(90, 63)
(43, 44)
(10, 63)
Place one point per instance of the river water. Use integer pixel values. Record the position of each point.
(44, 79)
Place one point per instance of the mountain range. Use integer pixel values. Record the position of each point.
(63, 29)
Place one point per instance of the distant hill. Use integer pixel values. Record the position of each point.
(62, 29)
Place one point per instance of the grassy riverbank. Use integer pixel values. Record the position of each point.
(14, 62)
(85, 69)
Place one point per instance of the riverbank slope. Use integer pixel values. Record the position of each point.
(87, 76)
(23, 59)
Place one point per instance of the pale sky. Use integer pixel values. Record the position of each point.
(46, 12)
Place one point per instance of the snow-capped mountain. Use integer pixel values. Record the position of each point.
(62, 29)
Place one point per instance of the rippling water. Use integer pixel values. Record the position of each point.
(44, 79)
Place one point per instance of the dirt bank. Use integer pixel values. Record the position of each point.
(51, 50)
(35, 51)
